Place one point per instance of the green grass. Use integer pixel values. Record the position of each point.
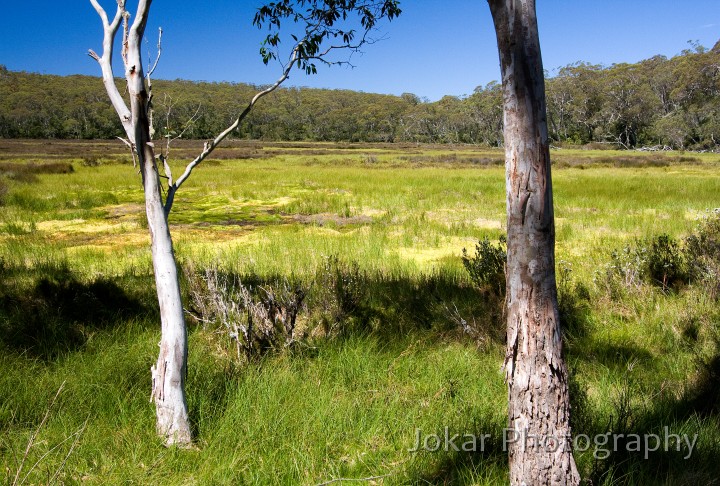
(78, 315)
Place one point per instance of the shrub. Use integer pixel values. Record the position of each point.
(702, 250)
(665, 262)
(658, 261)
(624, 271)
(255, 319)
(487, 267)
(341, 292)
(90, 161)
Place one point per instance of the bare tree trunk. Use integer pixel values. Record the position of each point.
(168, 374)
(539, 442)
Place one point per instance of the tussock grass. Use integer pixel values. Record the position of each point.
(77, 307)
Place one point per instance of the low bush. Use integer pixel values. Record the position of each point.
(702, 250)
(665, 262)
(487, 267)
(90, 161)
(257, 319)
(340, 292)
(659, 261)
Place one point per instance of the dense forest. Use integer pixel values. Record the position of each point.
(662, 102)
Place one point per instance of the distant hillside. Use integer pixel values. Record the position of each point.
(668, 102)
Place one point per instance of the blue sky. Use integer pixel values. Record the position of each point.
(435, 48)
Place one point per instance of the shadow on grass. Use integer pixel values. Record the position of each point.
(395, 306)
(488, 460)
(622, 456)
(46, 310)
(639, 415)
(346, 301)
(616, 356)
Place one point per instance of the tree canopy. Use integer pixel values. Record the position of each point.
(671, 102)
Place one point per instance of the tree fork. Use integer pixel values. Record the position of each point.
(168, 374)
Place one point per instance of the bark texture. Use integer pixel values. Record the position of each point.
(538, 412)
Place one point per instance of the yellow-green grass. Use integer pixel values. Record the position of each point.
(346, 407)
(305, 206)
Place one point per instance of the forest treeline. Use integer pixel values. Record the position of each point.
(657, 102)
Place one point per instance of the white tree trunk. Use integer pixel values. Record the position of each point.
(168, 374)
(538, 400)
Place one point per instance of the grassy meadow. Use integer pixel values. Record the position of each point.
(419, 346)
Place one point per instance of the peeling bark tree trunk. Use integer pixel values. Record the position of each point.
(168, 374)
(539, 442)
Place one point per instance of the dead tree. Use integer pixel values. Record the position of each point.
(327, 29)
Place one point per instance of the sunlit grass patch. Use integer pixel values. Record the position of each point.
(347, 401)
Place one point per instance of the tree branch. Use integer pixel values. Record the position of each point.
(321, 19)
(171, 137)
(105, 61)
(211, 144)
(151, 70)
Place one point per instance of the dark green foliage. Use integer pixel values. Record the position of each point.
(702, 249)
(658, 103)
(323, 21)
(665, 262)
(487, 267)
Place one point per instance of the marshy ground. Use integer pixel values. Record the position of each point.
(78, 315)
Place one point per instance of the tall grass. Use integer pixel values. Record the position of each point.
(344, 404)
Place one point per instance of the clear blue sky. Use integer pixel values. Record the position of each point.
(435, 48)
